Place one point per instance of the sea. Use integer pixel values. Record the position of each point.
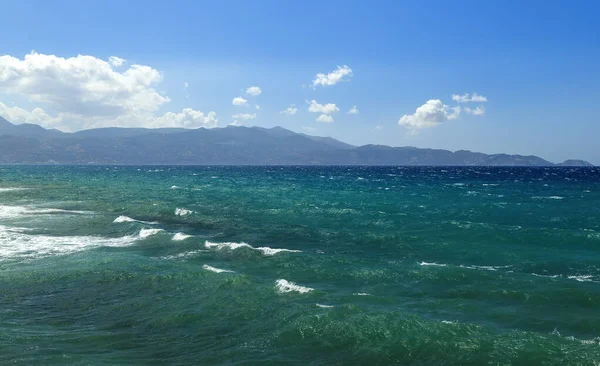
(296, 265)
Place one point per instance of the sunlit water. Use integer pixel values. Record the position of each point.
(296, 265)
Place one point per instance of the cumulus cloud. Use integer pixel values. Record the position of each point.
(88, 92)
(430, 114)
(465, 98)
(333, 77)
(83, 85)
(325, 118)
(254, 91)
(290, 111)
(477, 111)
(353, 110)
(38, 116)
(187, 118)
(116, 61)
(236, 123)
(315, 107)
(244, 116)
(239, 101)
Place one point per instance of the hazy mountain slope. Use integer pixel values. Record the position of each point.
(32, 144)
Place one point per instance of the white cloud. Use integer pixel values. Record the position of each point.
(185, 85)
(38, 116)
(290, 111)
(430, 114)
(378, 128)
(82, 86)
(188, 118)
(465, 98)
(333, 77)
(353, 110)
(88, 92)
(477, 111)
(325, 118)
(236, 123)
(257, 106)
(309, 128)
(244, 116)
(116, 61)
(239, 101)
(315, 107)
(254, 91)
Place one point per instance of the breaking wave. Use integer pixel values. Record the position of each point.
(233, 246)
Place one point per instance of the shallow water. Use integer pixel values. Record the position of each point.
(296, 265)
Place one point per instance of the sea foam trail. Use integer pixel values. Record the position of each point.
(180, 237)
(324, 306)
(216, 270)
(233, 246)
(122, 219)
(284, 286)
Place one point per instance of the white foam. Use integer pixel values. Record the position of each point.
(184, 254)
(20, 211)
(361, 294)
(449, 322)
(146, 233)
(216, 270)
(432, 264)
(122, 219)
(284, 286)
(15, 243)
(272, 251)
(175, 187)
(183, 212)
(324, 306)
(12, 189)
(583, 278)
(233, 246)
(180, 237)
(545, 276)
(547, 198)
(485, 268)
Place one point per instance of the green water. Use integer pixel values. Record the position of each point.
(299, 265)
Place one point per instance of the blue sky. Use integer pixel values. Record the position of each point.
(535, 62)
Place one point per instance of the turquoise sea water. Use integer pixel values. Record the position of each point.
(299, 265)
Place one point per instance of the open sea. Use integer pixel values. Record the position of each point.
(103, 265)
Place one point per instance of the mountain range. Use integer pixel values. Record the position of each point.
(33, 144)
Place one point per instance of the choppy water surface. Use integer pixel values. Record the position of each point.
(297, 265)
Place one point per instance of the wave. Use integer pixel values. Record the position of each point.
(15, 243)
(122, 219)
(216, 270)
(146, 233)
(324, 306)
(183, 212)
(233, 246)
(361, 294)
(283, 286)
(547, 198)
(19, 211)
(180, 237)
(175, 187)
